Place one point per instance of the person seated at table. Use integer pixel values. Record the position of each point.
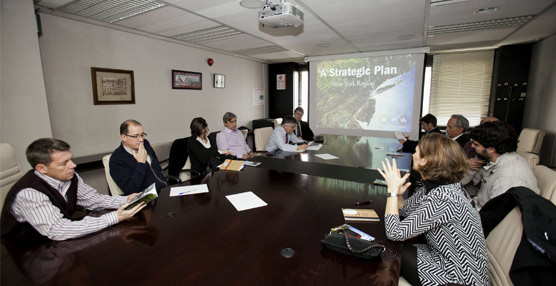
(302, 129)
(202, 150)
(456, 129)
(230, 140)
(134, 165)
(282, 136)
(455, 252)
(428, 122)
(44, 201)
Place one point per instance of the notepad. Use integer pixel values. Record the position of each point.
(188, 190)
(246, 201)
(360, 215)
(326, 156)
(314, 147)
(231, 165)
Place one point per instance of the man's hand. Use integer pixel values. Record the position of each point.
(141, 154)
(402, 140)
(476, 164)
(124, 214)
(245, 156)
(132, 197)
(301, 147)
(251, 155)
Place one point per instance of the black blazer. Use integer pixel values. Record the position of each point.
(203, 159)
(306, 132)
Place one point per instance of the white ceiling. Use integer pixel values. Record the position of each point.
(330, 26)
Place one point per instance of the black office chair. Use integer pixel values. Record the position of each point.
(179, 155)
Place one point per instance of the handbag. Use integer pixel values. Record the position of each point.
(339, 241)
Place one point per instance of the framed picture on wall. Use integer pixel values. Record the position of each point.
(219, 81)
(187, 80)
(112, 86)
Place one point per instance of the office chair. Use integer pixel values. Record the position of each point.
(179, 164)
(112, 186)
(529, 144)
(261, 138)
(546, 181)
(10, 171)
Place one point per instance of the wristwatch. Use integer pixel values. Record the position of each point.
(392, 194)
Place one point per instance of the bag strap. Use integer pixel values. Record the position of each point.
(364, 249)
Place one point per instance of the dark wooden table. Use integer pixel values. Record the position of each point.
(203, 240)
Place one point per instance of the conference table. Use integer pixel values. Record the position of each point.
(202, 239)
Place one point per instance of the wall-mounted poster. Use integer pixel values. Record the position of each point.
(281, 82)
(187, 80)
(112, 86)
(258, 96)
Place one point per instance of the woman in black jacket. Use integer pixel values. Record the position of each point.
(202, 151)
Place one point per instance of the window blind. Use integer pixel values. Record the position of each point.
(460, 84)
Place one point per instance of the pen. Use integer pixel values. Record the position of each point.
(363, 203)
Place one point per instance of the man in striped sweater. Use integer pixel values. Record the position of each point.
(45, 200)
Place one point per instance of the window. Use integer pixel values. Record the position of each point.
(459, 84)
(301, 86)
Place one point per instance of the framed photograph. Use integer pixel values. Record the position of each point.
(187, 80)
(219, 81)
(112, 86)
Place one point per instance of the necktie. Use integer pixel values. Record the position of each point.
(299, 129)
(287, 138)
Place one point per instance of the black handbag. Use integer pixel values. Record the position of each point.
(340, 241)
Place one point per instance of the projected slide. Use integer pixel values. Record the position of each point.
(371, 93)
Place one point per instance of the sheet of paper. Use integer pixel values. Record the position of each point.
(326, 156)
(399, 135)
(188, 190)
(314, 147)
(245, 201)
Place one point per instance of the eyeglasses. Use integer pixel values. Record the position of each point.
(137, 135)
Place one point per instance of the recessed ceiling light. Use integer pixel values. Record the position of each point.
(486, 10)
(251, 4)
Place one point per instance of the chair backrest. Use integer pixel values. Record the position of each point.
(10, 172)
(114, 189)
(162, 151)
(546, 180)
(261, 137)
(186, 174)
(244, 132)
(277, 122)
(502, 243)
(530, 140)
(532, 159)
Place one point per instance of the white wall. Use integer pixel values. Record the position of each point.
(69, 49)
(23, 109)
(540, 106)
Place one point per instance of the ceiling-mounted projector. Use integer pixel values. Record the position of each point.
(280, 14)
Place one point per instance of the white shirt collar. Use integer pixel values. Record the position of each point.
(206, 145)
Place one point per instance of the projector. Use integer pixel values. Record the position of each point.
(280, 15)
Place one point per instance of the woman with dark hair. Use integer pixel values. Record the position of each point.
(441, 210)
(202, 151)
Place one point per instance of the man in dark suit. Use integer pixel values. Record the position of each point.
(455, 129)
(428, 122)
(302, 129)
(134, 165)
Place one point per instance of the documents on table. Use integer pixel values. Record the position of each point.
(326, 156)
(251, 163)
(231, 165)
(314, 147)
(188, 190)
(399, 135)
(245, 201)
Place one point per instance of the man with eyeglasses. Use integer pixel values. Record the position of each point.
(283, 135)
(134, 165)
(455, 129)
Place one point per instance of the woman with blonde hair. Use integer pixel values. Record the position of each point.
(441, 210)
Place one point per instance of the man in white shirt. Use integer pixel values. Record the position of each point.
(44, 200)
(497, 142)
(282, 136)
